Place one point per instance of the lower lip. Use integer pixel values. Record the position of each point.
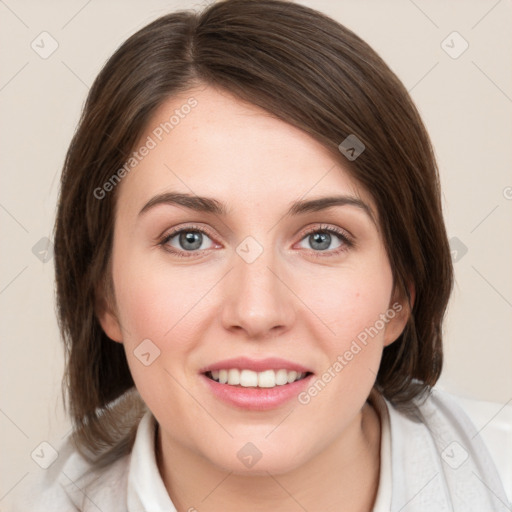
(256, 399)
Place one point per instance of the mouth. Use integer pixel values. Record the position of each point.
(244, 378)
(255, 384)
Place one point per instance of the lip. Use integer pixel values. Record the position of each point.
(256, 399)
(256, 365)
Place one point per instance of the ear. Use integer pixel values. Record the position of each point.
(107, 316)
(400, 307)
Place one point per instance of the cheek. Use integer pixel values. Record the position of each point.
(146, 305)
(352, 303)
(158, 302)
(352, 307)
(155, 308)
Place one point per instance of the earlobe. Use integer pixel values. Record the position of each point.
(400, 309)
(108, 319)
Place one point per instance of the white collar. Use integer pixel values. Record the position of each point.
(147, 492)
(383, 498)
(414, 476)
(146, 489)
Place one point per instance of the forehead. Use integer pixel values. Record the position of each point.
(206, 142)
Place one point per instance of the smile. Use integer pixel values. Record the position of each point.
(249, 378)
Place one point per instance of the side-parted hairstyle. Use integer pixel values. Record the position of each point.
(304, 68)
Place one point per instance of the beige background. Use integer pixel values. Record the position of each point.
(465, 102)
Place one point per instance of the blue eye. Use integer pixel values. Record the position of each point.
(320, 240)
(186, 240)
(191, 240)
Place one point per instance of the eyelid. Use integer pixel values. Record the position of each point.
(348, 240)
(169, 233)
(163, 239)
(344, 233)
(345, 236)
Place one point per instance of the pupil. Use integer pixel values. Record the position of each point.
(323, 239)
(191, 237)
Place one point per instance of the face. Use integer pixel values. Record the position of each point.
(261, 270)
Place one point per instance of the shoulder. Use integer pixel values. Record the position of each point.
(439, 458)
(71, 484)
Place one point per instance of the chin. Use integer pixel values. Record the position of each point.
(259, 458)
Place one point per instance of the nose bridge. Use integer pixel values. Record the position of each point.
(257, 300)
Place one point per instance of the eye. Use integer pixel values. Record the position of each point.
(330, 240)
(190, 239)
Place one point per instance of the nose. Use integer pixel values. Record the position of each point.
(258, 300)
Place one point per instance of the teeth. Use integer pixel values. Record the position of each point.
(281, 377)
(266, 379)
(234, 377)
(249, 378)
(292, 376)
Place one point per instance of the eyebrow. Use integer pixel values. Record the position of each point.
(210, 205)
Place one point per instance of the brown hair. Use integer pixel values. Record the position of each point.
(305, 69)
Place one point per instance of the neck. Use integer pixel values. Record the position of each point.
(343, 476)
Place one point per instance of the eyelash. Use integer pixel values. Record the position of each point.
(345, 238)
(172, 234)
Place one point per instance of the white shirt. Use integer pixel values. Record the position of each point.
(431, 461)
(383, 498)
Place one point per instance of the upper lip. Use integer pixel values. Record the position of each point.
(256, 365)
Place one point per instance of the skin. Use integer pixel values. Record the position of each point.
(288, 303)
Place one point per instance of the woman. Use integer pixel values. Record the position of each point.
(252, 272)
